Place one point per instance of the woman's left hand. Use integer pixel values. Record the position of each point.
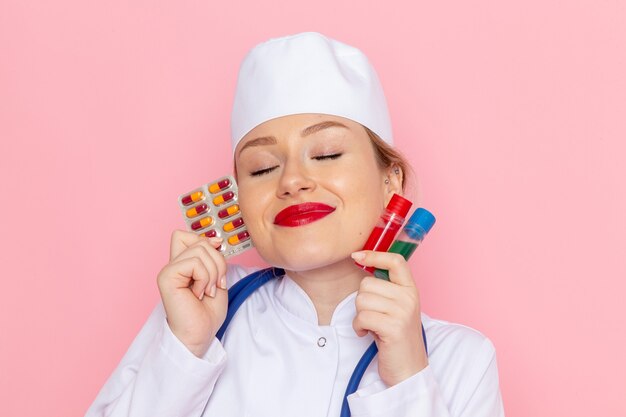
(391, 311)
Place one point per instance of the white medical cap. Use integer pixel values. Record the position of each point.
(307, 73)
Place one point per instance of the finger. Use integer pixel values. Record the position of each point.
(212, 246)
(203, 253)
(189, 271)
(209, 244)
(180, 241)
(220, 263)
(221, 297)
(381, 287)
(374, 302)
(404, 299)
(399, 272)
(368, 320)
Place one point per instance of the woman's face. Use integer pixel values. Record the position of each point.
(310, 189)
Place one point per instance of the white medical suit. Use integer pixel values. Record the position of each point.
(276, 361)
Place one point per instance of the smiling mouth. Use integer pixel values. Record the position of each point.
(302, 214)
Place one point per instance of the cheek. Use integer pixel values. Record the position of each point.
(363, 186)
(366, 199)
(252, 202)
(363, 174)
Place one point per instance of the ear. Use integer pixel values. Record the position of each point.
(394, 175)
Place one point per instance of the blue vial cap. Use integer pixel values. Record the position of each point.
(419, 224)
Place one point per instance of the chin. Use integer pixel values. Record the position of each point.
(302, 259)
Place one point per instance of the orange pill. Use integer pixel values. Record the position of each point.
(197, 210)
(235, 224)
(219, 186)
(238, 238)
(193, 197)
(210, 233)
(221, 199)
(228, 211)
(202, 223)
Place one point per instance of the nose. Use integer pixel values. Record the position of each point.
(293, 180)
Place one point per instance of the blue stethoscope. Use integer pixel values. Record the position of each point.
(239, 292)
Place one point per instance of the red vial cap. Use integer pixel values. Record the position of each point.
(399, 205)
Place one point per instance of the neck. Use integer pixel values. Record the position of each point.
(328, 286)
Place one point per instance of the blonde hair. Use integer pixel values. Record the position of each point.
(387, 156)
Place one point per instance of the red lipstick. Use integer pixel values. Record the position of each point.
(302, 214)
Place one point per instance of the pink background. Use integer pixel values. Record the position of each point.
(513, 115)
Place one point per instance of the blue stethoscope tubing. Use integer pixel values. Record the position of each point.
(239, 292)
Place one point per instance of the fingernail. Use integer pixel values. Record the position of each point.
(223, 282)
(213, 291)
(358, 256)
(201, 296)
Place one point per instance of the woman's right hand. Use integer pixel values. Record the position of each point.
(193, 289)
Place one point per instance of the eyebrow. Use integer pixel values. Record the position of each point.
(323, 125)
(271, 140)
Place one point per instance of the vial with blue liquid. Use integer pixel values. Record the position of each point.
(410, 237)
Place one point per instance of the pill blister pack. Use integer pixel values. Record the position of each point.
(212, 210)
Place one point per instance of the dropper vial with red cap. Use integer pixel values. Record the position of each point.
(388, 226)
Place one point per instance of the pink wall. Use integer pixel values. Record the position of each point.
(512, 114)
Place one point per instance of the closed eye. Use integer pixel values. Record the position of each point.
(263, 171)
(323, 157)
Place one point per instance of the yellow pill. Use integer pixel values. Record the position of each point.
(197, 210)
(235, 224)
(193, 197)
(221, 199)
(219, 186)
(228, 211)
(204, 222)
(238, 238)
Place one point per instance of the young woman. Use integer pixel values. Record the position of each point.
(315, 166)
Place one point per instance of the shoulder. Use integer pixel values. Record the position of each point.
(455, 341)
(463, 362)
